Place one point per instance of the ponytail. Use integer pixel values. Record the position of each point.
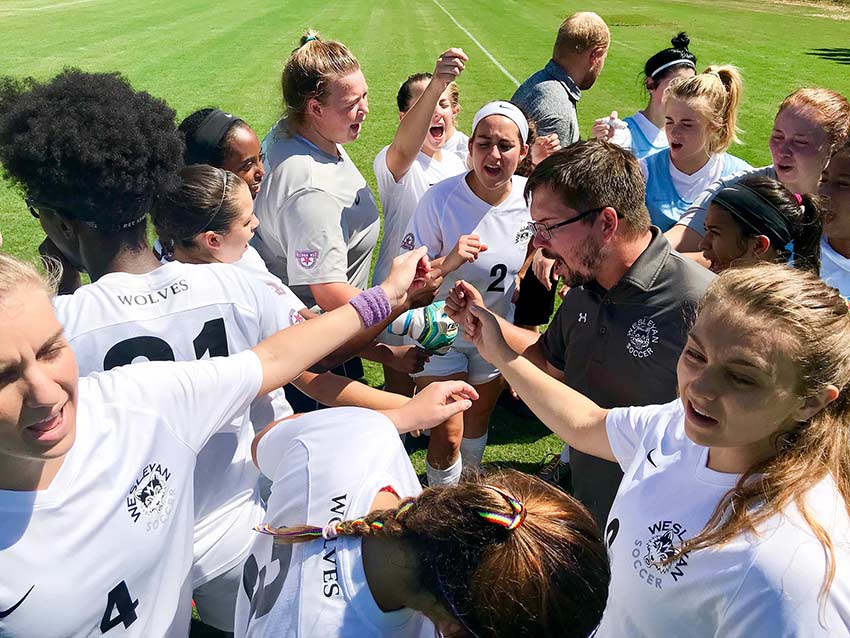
(807, 233)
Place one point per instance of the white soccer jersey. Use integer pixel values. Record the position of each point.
(450, 209)
(458, 144)
(758, 586)
(399, 199)
(184, 312)
(326, 465)
(106, 548)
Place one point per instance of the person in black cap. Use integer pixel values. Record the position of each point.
(643, 133)
(759, 219)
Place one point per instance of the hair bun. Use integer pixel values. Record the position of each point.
(681, 41)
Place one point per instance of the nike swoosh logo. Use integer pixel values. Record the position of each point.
(3, 614)
(649, 457)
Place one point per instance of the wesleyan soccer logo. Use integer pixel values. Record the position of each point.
(657, 561)
(407, 242)
(307, 258)
(523, 236)
(642, 335)
(150, 495)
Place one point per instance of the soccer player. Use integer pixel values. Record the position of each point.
(700, 115)
(414, 161)
(758, 219)
(733, 515)
(810, 124)
(835, 245)
(503, 554)
(318, 219)
(643, 133)
(456, 219)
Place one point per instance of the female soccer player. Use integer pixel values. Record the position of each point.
(643, 133)
(455, 219)
(498, 555)
(809, 126)
(412, 163)
(758, 219)
(318, 219)
(700, 116)
(732, 518)
(835, 245)
(220, 139)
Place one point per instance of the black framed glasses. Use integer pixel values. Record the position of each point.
(545, 232)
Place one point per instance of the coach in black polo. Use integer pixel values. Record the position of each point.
(618, 334)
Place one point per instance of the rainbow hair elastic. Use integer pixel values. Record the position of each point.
(504, 520)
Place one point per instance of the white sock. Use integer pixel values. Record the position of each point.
(449, 476)
(565, 454)
(472, 450)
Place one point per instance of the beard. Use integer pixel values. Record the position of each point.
(589, 256)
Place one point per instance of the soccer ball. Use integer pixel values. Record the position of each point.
(430, 326)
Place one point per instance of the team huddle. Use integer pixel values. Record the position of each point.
(189, 429)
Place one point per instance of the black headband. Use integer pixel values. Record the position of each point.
(755, 212)
(201, 149)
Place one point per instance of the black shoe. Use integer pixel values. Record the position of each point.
(553, 470)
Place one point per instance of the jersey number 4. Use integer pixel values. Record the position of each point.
(120, 608)
(212, 339)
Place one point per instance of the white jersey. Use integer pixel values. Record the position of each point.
(399, 198)
(759, 586)
(183, 312)
(834, 268)
(107, 547)
(450, 209)
(458, 144)
(326, 465)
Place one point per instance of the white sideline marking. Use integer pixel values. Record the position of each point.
(48, 7)
(480, 46)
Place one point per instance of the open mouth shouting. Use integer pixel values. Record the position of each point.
(49, 429)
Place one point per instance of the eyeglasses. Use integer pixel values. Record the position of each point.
(545, 232)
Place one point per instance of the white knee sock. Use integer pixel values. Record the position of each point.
(449, 476)
(565, 454)
(472, 450)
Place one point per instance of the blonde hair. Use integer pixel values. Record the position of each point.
(581, 32)
(832, 109)
(14, 274)
(816, 319)
(310, 70)
(715, 94)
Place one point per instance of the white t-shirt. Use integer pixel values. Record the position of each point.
(763, 586)
(458, 144)
(318, 219)
(399, 199)
(657, 137)
(689, 186)
(107, 547)
(326, 465)
(185, 312)
(450, 209)
(834, 268)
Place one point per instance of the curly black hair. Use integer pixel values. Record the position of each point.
(88, 144)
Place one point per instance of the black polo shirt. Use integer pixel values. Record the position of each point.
(620, 347)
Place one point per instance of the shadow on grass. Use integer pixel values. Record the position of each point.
(838, 55)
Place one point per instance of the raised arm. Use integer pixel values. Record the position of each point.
(569, 414)
(415, 123)
(286, 354)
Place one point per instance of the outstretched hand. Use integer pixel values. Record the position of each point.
(450, 65)
(460, 298)
(544, 146)
(466, 250)
(433, 405)
(482, 329)
(408, 273)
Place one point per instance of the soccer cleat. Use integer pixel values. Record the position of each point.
(430, 326)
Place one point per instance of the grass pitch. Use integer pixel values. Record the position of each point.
(196, 53)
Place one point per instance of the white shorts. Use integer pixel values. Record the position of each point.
(215, 600)
(462, 358)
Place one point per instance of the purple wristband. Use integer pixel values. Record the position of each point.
(372, 305)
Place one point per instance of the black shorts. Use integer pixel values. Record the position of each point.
(535, 304)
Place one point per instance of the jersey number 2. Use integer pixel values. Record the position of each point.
(499, 271)
(212, 339)
(120, 608)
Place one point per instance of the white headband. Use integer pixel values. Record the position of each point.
(684, 61)
(500, 107)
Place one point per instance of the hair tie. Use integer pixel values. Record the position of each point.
(503, 520)
(310, 38)
(799, 199)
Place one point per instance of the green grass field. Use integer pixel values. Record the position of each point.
(195, 53)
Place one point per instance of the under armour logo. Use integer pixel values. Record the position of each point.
(582, 317)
